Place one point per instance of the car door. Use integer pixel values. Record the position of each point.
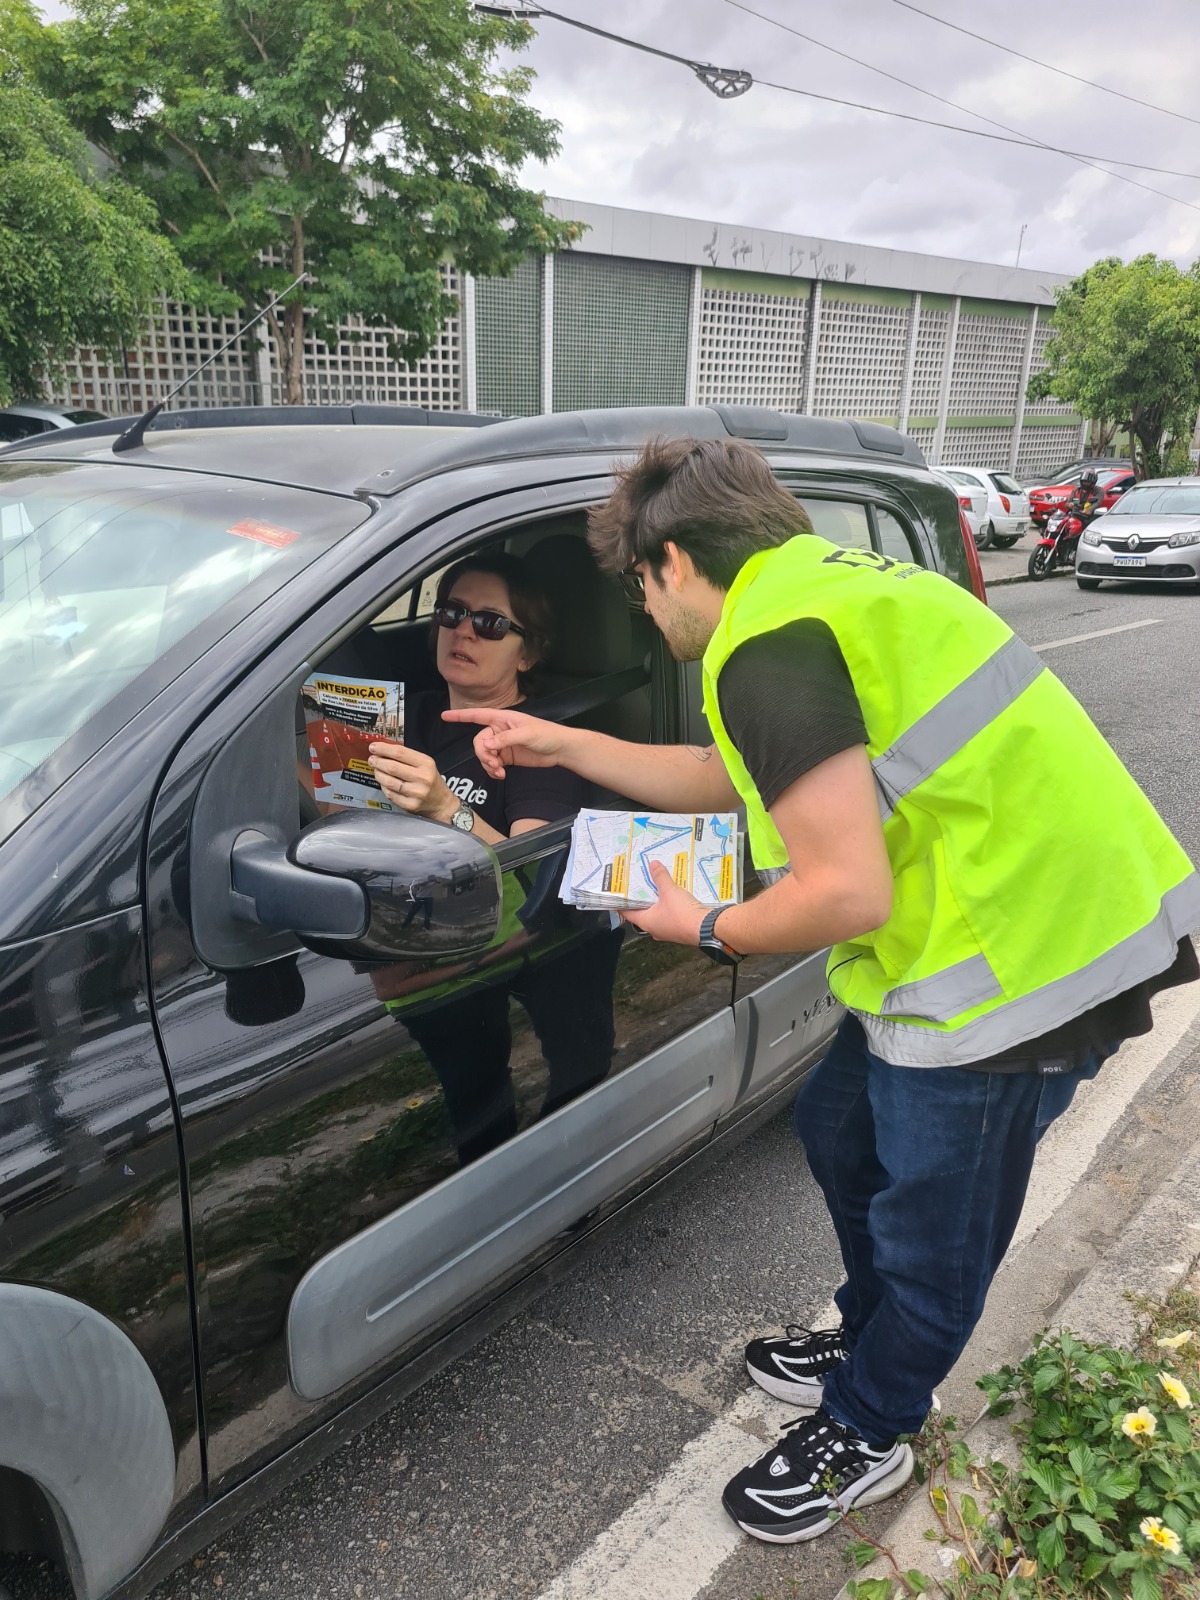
(339, 1224)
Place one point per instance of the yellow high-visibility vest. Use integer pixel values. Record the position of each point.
(1033, 878)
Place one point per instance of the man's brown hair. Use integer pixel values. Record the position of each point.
(715, 498)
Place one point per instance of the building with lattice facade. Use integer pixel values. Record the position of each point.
(657, 310)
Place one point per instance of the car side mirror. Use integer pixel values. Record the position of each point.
(370, 885)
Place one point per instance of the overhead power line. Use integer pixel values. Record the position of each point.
(725, 82)
(742, 81)
(1091, 83)
(1030, 139)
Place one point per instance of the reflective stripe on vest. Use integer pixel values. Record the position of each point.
(954, 721)
(1148, 951)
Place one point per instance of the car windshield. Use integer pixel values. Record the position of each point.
(105, 569)
(84, 416)
(1159, 500)
(1005, 484)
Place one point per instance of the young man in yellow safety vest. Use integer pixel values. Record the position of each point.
(894, 745)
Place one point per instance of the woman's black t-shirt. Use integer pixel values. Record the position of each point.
(544, 793)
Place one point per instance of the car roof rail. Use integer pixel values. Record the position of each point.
(358, 415)
(620, 429)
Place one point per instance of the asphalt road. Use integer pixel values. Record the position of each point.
(500, 1473)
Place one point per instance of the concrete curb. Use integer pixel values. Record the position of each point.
(1157, 1250)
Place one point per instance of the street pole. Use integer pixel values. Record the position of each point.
(1020, 242)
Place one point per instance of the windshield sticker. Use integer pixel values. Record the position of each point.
(264, 533)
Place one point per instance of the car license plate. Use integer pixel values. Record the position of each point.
(1129, 561)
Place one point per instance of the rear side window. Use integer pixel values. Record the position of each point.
(893, 538)
(12, 427)
(842, 522)
(967, 478)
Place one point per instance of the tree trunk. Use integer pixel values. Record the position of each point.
(293, 323)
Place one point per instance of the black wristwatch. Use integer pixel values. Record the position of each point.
(711, 945)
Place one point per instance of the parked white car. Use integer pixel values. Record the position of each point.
(972, 500)
(1007, 515)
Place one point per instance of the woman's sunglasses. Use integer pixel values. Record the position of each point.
(491, 625)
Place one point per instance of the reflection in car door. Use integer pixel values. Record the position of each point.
(366, 1156)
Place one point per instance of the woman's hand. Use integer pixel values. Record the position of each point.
(412, 782)
(512, 739)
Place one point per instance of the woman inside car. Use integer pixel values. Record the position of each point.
(491, 628)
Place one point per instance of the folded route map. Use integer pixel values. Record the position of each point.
(608, 868)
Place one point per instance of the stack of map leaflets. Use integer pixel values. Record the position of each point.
(608, 868)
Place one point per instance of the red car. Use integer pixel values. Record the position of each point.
(1112, 480)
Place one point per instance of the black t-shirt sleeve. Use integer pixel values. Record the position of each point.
(788, 703)
(547, 793)
(543, 794)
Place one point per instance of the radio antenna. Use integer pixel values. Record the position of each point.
(135, 434)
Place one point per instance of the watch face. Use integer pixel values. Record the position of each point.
(464, 818)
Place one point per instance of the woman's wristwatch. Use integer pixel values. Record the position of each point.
(711, 945)
(463, 818)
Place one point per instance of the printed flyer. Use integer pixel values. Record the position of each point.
(342, 717)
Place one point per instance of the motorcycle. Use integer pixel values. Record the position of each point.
(1057, 546)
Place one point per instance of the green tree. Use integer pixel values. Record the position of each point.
(362, 141)
(1126, 351)
(81, 256)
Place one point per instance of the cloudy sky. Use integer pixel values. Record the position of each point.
(639, 131)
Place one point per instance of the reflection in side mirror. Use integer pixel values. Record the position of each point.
(431, 890)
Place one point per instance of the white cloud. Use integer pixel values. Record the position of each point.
(639, 131)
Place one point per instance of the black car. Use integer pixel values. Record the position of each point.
(234, 1219)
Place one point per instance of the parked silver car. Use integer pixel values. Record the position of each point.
(1152, 532)
(29, 417)
(1007, 514)
(972, 501)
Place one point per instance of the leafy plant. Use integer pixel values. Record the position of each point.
(361, 141)
(81, 255)
(1105, 1501)
(1125, 350)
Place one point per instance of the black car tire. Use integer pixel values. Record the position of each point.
(1088, 583)
(983, 539)
(1041, 562)
(1005, 541)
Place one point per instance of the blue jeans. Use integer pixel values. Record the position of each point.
(924, 1171)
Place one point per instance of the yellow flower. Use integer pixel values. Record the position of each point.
(1139, 1424)
(1176, 1340)
(1176, 1390)
(1151, 1529)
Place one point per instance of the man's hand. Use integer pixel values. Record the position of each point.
(675, 917)
(512, 739)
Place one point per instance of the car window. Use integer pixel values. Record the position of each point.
(842, 522)
(80, 417)
(969, 478)
(103, 570)
(1005, 483)
(14, 427)
(894, 539)
(1167, 500)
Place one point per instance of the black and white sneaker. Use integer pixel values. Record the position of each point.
(794, 1365)
(786, 1496)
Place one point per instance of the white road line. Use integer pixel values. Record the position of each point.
(670, 1542)
(1100, 633)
